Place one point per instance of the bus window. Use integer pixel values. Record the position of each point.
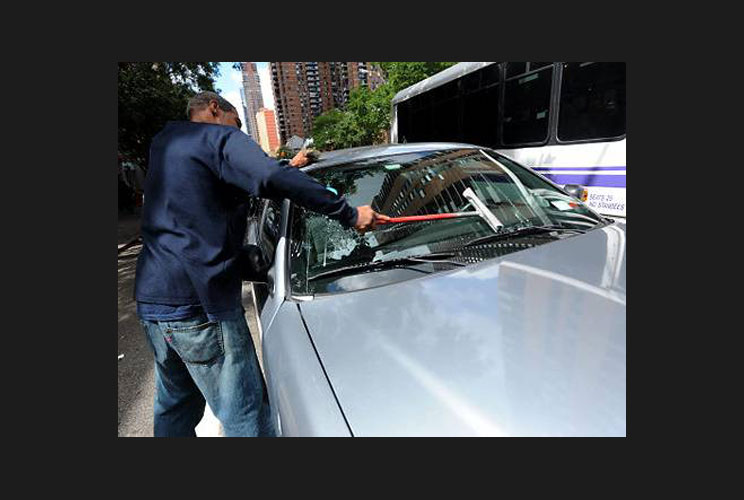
(538, 65)
(444, 92)
(490, 75)
(481, 78)
(445, 121)
(527, 107)
(515, 68)
(592, 102)
(445, 113)
(420, 120)
(403, 114)
(472, 81)
(480, 115)
(480, 106)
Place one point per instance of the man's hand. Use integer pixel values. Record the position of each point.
(300, 159)
(367, 219)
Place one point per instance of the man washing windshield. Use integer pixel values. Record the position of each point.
(188, 286)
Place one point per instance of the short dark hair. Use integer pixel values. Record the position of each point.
(202, 100)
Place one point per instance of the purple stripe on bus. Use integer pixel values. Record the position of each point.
(588, 179)
(578, 168)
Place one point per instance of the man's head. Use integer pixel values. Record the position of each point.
(209, 107)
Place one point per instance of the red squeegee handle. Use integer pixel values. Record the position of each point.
(419, 218)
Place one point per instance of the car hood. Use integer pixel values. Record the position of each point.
(530, 344)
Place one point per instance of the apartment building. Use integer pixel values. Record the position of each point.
(304, 90)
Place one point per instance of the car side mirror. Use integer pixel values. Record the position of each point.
(577, 191)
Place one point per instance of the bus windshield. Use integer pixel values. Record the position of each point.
(422, 183)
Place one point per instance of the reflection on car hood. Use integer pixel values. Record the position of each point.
(530, 344)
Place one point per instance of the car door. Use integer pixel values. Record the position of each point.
(266, 234)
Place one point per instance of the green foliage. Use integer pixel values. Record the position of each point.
(400, 75)
(150, 94)
(283, 152)
(366, 117)
(325, 129)
(371, 110)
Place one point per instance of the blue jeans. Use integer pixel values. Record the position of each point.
(196, 360)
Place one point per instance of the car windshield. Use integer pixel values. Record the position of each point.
(428, 182)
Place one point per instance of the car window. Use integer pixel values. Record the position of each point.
(424, 183)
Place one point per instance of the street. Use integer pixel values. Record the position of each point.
(136, 373)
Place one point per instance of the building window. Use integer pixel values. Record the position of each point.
(592, 102)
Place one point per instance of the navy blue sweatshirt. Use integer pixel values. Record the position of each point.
(193, 219)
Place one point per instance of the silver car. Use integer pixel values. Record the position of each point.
(453, 327)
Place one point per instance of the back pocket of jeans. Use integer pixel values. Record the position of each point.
(200, 344)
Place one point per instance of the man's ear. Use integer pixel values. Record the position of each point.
(214, 108)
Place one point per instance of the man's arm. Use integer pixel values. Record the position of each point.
(246, 166)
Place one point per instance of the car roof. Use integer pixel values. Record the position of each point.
(342, 156)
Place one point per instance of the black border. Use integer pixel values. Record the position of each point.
(86, 202)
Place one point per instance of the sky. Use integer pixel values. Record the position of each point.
(230, 81)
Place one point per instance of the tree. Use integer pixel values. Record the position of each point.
(324, 132)
(371, 110)
(150, 94)
(400, 75)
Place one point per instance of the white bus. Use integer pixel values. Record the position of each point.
(564, 120)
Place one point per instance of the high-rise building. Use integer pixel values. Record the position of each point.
(287, 84)
(357, 72)
(252, 97)
(268, 138)
(303, 90)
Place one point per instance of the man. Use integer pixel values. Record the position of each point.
(187, 287)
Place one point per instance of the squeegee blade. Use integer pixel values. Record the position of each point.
(483, 210)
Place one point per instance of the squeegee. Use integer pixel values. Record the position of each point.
(481, 210)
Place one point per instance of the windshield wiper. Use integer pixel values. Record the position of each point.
(390, 263)
(524, 230)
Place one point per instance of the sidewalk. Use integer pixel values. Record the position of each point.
(127, 228)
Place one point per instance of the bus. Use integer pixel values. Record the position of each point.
(565, 120)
